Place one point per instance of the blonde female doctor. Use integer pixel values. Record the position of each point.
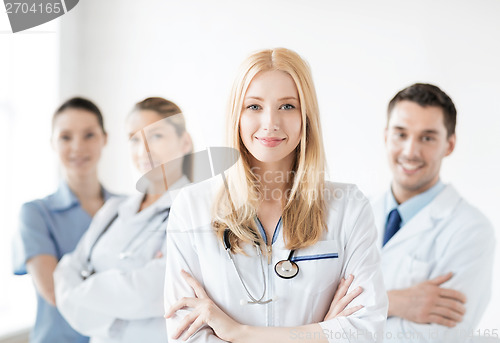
(110, 288)
(257, 255)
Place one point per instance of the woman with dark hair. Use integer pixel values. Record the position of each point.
(111, 286)
(52, 226)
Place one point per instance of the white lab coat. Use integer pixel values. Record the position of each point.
(193, 246)
(123, 301)
(446, 235)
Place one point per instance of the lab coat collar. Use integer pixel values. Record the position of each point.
(412, 206)
(131, 206)
(442, 205)
(64, 198)
(276, 231)
(165, 201)
(445, 203)
(379, 213)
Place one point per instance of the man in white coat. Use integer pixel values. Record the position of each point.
(437, 250)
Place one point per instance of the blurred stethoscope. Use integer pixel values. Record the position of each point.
(215, 161)
(126, 252)
(286, 269)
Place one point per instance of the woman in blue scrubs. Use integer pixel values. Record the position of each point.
(52, 226)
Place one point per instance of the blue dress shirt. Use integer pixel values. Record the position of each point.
(412, 206)
(52, 225)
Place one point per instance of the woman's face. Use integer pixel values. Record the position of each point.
(150, 131)
(271, 121)
(78, 139)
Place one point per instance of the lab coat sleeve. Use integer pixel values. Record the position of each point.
(468, 253)
(94, 305)
(362, 260)
(84, 317)
(181, 255)
(32, 238)
(131, 295)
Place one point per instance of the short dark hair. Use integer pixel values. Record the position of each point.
(82, 104)
(426, 94)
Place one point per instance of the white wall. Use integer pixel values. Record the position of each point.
(29, 86)
(361, 52)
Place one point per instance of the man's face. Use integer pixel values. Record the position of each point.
(416, 141)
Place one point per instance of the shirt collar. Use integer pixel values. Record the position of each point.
(64, 198)
(106, 194)
(408, 209)
(165, 201)
(276, 232)
(131, 207)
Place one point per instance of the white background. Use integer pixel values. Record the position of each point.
(361, 53)
(29, 85)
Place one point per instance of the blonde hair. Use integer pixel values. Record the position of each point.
(303, 216)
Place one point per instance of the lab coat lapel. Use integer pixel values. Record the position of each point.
(378, 212)
(128, 210)
(428, 217)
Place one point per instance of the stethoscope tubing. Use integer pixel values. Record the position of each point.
(124, 253)
(255, 300)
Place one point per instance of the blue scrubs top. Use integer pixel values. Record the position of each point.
(52, 225)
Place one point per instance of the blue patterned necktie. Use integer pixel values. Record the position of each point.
(392, 225)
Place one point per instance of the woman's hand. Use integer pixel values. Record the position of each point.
(342, 299)
(204, 311)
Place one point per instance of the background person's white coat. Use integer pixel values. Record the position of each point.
(122, 301)
(447, 235)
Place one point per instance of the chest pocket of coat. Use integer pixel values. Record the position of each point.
(319, 265)
(416, 270)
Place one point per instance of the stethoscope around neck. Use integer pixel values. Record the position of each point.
(126, 252)
(285, 269)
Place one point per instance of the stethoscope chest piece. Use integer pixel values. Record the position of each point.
(86, 273)
(124, 255)
(286, 269)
